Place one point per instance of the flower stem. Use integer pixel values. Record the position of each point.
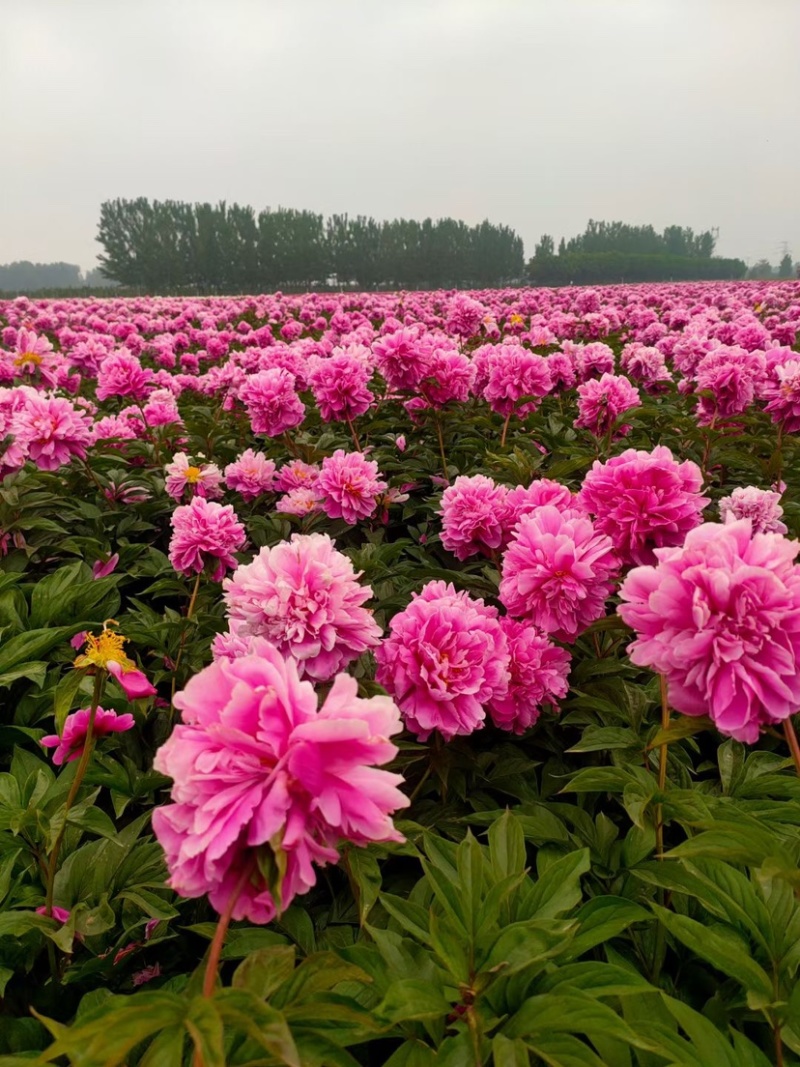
(792, 742)
(179, 657)
(438, 422)
(353, 433)
(663, 756)
(505, 430)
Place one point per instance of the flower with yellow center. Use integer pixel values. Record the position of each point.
(27, 357)
(516, 320)
(104, 648)
(193, 475)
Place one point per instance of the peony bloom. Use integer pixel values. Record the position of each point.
(251, 474)
(602, 401)
(465, 317)
(782, 393)
(732, 375)
(264, 779)
(445, 658)
(473, 514)
(523, 500)
(304, 597)
(339, 385)
(538, 672)
(644, 500)
(53, 431)
(204, 480)
(348, 486)
(449, 376)
(272, 403)
(105, 650)
(719, 617)
(205, 535)
(761, 506)
(646, 365)
(161, 409)
(403, 358)
(72, 742)
(296, 475)
(558, 572)
(299, 502)
(516, 374)
(121, 374)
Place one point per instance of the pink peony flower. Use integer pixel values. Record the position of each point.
(251, 474)
(732, 375)
(102, 570)
(523, 500)
(445, 658)
(304, 597)
(449, 377)
(263, 778)
(348, 486)
(272, 403)
(473, 511)
(205, 480)
(121, 374)
(464, 317)
(299, 502)
(538, 672)
(61, 915)
(403, 358)
(719, 617)
(558, 572)
(761, 506)
(296, 475)
(514, 374)
(339, 385)
(601, 402)
(133, 682)
(161, 409)
(205, 535)
(644, 500)
(70, 745)
(53, 431)
(782, 393)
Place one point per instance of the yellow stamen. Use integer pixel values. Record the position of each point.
(193, 475)
(27, 357)
(104, 648)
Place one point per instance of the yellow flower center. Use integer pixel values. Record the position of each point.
(104, 648)
(27, 357)
(193, 475)
(516, 320)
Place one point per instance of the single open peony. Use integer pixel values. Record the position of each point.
(538, 672)
(761, 506)
(719, 617)
(205, 534)
(348, 486)
(70, 745)
(265, 780)
(473, 511)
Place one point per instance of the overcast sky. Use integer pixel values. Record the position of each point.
(539, 114)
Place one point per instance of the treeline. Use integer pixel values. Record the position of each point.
(170, 246)
(637, 240)
(593, 268)
(25, 277)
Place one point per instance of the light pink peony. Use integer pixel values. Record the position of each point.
(262, 777)
(272, 403)
(761, 506)
(303, 596)
(251, 474)
(644, 500)
(558, 572)
(348, 486)
(121, 374)
(296, 475)
(70, 745)
(339, 385)
(205, 536)
(473, 511)
(299, 502)
(52, 430)
(538, 672)
(719, 617)
(602, 401)
(203, 479)
(445, 658)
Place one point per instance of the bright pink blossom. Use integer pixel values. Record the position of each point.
(348, 486)
(601, 402)
(473, 511)
(272, 403)
(70, 745)
(339, 385)
(782, 393)
(732, 375)
(251, 474)
(121, 374)
(719, 617)
(449, 377)
(53, 431)
(259, 770)
(516, 374)
(205, 536)
(538, 672)
(204, 479)
(296, 475)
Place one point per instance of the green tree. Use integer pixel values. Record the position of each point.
(786, 268)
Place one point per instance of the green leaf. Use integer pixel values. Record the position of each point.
(204, 1023)
(365, 872)
(412, 998)
(262, 972)
(64, 698)
(559, 890)
(507, 1053)
(28, 646)
(507, 845)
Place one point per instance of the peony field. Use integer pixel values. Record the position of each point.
(401, 679)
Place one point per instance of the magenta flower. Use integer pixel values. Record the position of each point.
(348, 486)
(403, 358)
(732, 375)
(133, 682)
(538, 672)
(260, 772)
(761, 506)
(70, 745)
(473, 511)
(296, 475)
(465, 317)
(523, 500)
(61, 915)
(204, 479)
(271, 400)
(53, 430)
(644, 500)
(303, 596)
(449, 376)
(782, 393)
(719, 617)
(102, 570)
(601, 402)
(205, 536)
(251, 475)
(514, 374)
(445, 658)
(339, 385)
(121, 374)
(558, 572)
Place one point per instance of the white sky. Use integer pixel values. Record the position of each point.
(536, 113)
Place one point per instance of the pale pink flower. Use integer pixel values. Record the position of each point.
(203, 479)
(296, 475)
(538, 672)
(444, 660)
(205, 536)
(259, 771)
(304, 596)
(70, 745)
(473, 511)
(251, 474)
(271, 400)
(761, 506)
(602, 402)
(719, 617)
(348, 486)
(558, 572)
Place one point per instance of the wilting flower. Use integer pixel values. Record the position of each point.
(340, 388)
(105, 650)
(473, 514)
(761, 506)
(445, 659)
(303, 596)
(205, 480)
(272, 403)
(348, 486)
(205, 535)
(70, 745)
(264, 780)
(558, 572)
(602, 401)
(719, 617)
(251, 474)
(538, 672)
(644, 500)
(147, 974)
